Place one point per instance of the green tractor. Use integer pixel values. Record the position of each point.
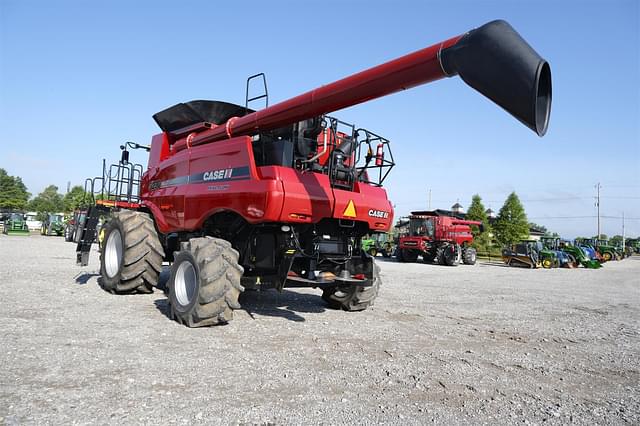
(15, 224)
(577, 255)
(624, 252)
(53, 224)
(604, 246)
(530, 254)
(382, 243)
(633, 244)
(605, 250)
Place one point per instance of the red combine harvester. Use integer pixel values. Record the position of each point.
(281, 197)
(439, 239)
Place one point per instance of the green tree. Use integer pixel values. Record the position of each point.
(48, 201)
(539, 228)
(74, 199)
(616, 240)
(511, 224)
(481, 239)
(476, 210)
(13, 193)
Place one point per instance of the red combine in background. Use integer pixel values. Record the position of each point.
(443, 240)
(281, 197)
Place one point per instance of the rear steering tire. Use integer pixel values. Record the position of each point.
(131, 256)
(353, 298)
(205, 282)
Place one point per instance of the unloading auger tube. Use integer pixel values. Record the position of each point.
(493, 59)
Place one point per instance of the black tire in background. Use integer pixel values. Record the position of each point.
(469, 256)
(68, 233)
(353, 298)
(205, 282)
(131, 258)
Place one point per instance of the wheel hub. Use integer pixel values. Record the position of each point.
(185, 283)
(113, 253)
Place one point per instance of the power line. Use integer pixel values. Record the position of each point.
(622, 198)
(562, 217)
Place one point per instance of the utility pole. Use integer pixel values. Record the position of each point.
(598, 206)
(622, 233)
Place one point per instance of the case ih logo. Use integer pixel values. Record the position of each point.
(217, 175)
(379, 214)
(235, 173)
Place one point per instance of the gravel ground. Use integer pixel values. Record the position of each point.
(482, 344)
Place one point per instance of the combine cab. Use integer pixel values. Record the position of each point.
(282, 197)
(438, 239)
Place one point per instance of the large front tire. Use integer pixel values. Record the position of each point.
(353, 298)
(452, 255)
(205, 282)
(131, 256)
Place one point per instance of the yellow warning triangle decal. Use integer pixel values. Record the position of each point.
(350, 211)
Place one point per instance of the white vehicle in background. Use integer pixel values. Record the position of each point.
(32, 223)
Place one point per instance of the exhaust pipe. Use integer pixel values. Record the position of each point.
(497, 62)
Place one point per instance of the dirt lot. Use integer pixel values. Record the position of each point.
(480, 344)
